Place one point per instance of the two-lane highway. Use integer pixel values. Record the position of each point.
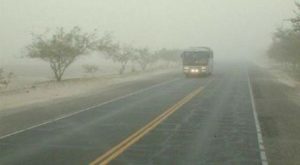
(215, 127)
(206, 120)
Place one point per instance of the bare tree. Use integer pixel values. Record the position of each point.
(106, 45)
(144, 58)
(122, 55)
(90, 69)
(168, 55)
(115, 52)
(3, 82)
(5, 79)
(61, 49)
(296, 20)
(286, 45)
(1, 74)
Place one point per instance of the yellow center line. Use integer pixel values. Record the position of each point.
(125, 144)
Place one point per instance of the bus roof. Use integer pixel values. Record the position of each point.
(198, 49)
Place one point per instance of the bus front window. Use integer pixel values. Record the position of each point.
(195, 58)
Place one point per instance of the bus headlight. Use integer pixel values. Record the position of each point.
(195, 70)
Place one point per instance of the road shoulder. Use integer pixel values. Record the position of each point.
(278, 112)
(16, 119)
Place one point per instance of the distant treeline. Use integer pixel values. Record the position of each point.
(285, 48)
(61, 48)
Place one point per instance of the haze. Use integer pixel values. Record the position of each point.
(180, 82)
(232, 27)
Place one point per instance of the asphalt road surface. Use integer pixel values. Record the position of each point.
(166, 120)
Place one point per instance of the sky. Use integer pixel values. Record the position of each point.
(233, 28)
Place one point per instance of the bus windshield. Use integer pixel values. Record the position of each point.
(195, 58)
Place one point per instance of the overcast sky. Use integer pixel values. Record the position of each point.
(230, 27)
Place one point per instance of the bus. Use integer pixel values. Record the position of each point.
(197, 61)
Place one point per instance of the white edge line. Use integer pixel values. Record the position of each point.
(86, 109)
(263, 155)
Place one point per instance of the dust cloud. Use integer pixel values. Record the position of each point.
(235, 29)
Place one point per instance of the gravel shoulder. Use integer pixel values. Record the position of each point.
(278, 107)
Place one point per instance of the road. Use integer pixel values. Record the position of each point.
(166, 120)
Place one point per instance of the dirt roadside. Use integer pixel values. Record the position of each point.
(278, 106)
(48, 91)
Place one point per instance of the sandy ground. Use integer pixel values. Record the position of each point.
(278, 107)
(278, 73)
(47, 91)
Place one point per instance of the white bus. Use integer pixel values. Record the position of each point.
(197, 61)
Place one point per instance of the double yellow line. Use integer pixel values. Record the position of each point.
(125, 144)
